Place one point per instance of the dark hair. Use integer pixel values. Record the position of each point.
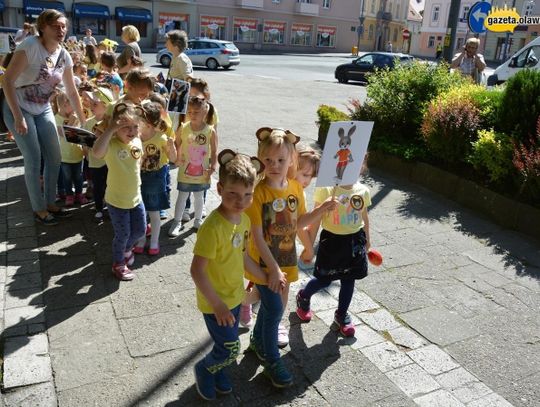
(92, 53)
(157, 98)
(239, 169)
(139, 76)
(108, 59)
(202, 86)
(48, 17)
(178, 39)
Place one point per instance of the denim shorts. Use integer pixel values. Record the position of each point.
(185, 187)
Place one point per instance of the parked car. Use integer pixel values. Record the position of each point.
(206, 52)
(362, 67)
(526, 58)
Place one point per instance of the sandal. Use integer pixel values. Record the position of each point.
(61, 213)
(48, 220)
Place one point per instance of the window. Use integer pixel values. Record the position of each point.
(390, 7)
(527, 8)
(435, 14)
(373, 6)
(326, 4)
(141, 26)
(213, 27)
(365, 60)
(431, 42)
(97, 25)
(370, 32)
(528, 58)
(301, 34)
(464, 14)
(274, 32)
(326, 36)
(397, 11)
(276, 1)
(245, 30)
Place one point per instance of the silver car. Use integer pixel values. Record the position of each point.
(206, 52)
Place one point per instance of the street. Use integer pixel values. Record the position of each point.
(451, 318)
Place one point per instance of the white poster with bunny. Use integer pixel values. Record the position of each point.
(344, 151)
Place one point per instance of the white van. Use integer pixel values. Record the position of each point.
(526, 57)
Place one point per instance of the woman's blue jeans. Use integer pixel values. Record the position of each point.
(40, 141)
(265, 331)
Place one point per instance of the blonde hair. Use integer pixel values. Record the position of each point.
(129, 112)
(276, 140)
(131, 33)
(473, 40)
(238, 169)
(308, 156)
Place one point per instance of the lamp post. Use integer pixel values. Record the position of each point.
(361, 19)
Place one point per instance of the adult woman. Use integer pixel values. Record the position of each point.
(131, 37)
(181, 66)
(37, 67)
(469, 62)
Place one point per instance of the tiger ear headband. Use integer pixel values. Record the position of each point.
(227, 155)
(264, 132)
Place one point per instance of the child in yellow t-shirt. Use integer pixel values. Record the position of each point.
(217, 269)
(72, 154)
(123, 154)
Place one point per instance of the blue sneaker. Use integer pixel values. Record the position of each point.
(256, 347)
(205, 382)
(278, 374)
(223, 384)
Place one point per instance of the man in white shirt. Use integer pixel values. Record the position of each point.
(88, 39)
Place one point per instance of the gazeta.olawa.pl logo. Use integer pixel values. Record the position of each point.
(507, 19)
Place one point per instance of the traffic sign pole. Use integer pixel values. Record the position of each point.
(453, 17)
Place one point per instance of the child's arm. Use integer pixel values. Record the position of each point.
(213, 153)
(307, 237)
(316, 214)
(171, 150)
(275, 275)
(178, 144)
(254, 269)
(224, 316)
(101, 145)
(366, 227)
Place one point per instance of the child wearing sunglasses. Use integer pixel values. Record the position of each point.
(158, 151)
(123, 154)
(196, 143)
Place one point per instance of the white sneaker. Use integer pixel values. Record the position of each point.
(185, 215)
(204, 212)
(197, 224)
(98, 216)
(282, 336)
(176, 227)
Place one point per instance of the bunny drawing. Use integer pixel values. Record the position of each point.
(343, 155)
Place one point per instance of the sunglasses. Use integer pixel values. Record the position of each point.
(197, 100)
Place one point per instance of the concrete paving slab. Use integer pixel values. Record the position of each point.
(440, 325)
(522, 393)
(32, 353)
(379, 320)
(439, 398)
(24, 315)
(386, 356)
(20, 268)
(491, 400)
(79, 337)
(413, 380)
(463, 385)
(432, 359)
(365, 336)
(21, 298)
(42, 395)
(406, 338)
(23, 281)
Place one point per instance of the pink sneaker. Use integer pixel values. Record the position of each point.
(122, 272)
(344, 325)
(81, 199)
(154, 251)
(303, 307)
(138, 250)
(245, 315)
(130, 259)
(70, 200)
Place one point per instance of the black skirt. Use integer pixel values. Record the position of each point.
(341, 256)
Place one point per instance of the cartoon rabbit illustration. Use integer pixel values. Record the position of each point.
(343, 155)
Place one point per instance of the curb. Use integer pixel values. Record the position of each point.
(501, 209)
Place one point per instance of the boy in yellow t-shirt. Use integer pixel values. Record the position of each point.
(218, 268)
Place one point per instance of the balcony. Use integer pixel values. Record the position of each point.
(384, 16)
(250, 3)
(307, 8)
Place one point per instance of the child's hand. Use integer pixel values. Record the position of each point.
(329, 205)
(275, 279)
(224, 316)
(307, 255)
(170, 144)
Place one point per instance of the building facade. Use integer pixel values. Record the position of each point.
(258, 25)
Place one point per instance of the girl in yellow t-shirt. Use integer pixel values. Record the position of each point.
(158, 151)
(123, 154)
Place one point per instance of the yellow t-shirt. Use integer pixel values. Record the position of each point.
(71, 153)
(277, 211)
(93, 161)
(124, 178)
(155, 152)
(223, 244)
(347, 217)
(194, 154)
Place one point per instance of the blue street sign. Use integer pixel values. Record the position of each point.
(477, 14)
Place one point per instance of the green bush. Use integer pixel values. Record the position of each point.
(328, 114)
(520, 105)
(398, 98)
(492, 155)
(450, 125)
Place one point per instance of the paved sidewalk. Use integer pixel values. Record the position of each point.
(451, 319)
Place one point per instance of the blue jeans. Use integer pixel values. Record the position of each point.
(40, 141)
(129, 226)
(99, 179)
(345, 292)
(73, 176)
(226, 344)
(265, 331)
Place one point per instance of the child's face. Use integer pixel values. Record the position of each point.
(277, 161)
(98, 109)
(304, 175)
(66, 109)
(127, 133)
(81, 72)
(137, 93)
(235, 196)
